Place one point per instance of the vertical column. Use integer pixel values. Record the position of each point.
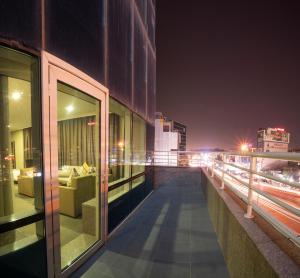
(213, 168)
(223, 171)
(36, 138)
(36, 153)
(250, 191)
(6, 197)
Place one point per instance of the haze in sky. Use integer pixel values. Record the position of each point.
(226, 68)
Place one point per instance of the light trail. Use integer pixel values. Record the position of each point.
(291, 221)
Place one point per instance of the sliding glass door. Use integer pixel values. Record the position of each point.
(78, 171)
(77, 132)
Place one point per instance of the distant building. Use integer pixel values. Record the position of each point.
(165, 138)
(170, 136)
(272, 140)
(181, 129)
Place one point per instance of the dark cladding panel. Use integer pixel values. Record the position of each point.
(151, 87)
(74, 33)
(20, 21)
(142, 8)
(150, 139)
(139, 69)
(119, 49)
(151, 24)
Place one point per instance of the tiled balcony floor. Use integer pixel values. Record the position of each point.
(170, 235)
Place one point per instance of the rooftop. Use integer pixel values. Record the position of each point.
(170, 235)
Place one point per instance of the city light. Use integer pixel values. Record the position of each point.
(244, 147)
(194, 161)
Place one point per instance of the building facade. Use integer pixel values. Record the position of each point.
(77, 112)
(272, 140)
(181, 130)
(170, 140)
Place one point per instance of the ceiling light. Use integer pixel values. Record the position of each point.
(16, 95)
(69, 108)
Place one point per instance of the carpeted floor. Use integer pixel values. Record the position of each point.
(73, 241)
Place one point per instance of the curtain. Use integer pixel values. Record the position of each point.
(28, 158)
(76, 141)
(114, 132)
(116, 152)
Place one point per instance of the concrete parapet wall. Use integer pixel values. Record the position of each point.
(164, 175)
(247, 250)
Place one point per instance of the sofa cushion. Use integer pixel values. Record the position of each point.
(16, 173)
(63, 180)
(64, 173)
(86, 168)
(26, 172)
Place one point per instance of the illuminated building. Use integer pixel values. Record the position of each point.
(272, 140)
(169, 136)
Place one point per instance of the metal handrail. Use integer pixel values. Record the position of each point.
(216, 161)
(270, 177)
(295, 157)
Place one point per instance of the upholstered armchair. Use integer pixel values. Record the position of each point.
(25, 182)
(81, 189)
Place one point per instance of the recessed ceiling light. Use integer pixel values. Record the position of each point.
(16, 95)
(121, 144)
(69, 108)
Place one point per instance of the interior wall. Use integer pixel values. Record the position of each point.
(17, 137)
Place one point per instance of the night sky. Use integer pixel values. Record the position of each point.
(226, 69)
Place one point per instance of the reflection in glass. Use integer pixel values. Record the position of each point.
(127, 148)
(138, 181)
(118, 192)
(119, 142)
(21, 190)
(78, 162)
(138, 145)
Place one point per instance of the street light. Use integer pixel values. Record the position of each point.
(244, 147)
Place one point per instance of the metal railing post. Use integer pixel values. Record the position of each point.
(213, 168)
(207, 166)
(249, 213)
(223, 172)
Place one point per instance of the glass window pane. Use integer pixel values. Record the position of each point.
(138, 181)
(78, 162)
(21, 185)
(119, 142)
(118, 192)
(138, 145)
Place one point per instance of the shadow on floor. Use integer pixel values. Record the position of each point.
(171, 235)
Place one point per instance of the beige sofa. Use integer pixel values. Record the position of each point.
(25, 182)
(26, 186)
(81, 189)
